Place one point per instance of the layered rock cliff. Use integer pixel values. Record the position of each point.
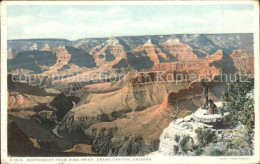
(179, 71)
(179, 50)
(108, 130)
(108, 53)
(243, 61)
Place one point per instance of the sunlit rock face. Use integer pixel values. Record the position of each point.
(243, 61)
(34, 47)
(46, 47)
(10, 54)
(151, 50)
(181, 70)
(179, 50)
(62, 55)
(108, 53)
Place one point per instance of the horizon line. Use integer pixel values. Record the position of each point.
(104, 37)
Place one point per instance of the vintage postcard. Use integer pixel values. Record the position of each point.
(130, 82)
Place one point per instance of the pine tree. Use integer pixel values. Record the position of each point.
(240, 106)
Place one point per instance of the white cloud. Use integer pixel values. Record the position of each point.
(19, 19)
(80, 13)
(139, 24)
(91, 13)
(189, 19)
(114, 10)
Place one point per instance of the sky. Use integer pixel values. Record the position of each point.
(88, 21)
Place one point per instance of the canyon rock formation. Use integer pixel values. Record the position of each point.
(116, 95)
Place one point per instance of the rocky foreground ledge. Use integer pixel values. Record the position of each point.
(181, 137)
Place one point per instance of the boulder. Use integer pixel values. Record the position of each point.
(178, 121)
(201, 116)
(188, 118)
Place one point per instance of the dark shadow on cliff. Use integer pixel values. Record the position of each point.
(19, 145)
(80, 57)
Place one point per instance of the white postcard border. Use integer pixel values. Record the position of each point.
(159, 159)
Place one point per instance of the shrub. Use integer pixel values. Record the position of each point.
(198, 150)
(184, 141)
(205, 136)
(176, 149)
(221, 110)
(213, 152)
(177, 138)
(231, 152)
